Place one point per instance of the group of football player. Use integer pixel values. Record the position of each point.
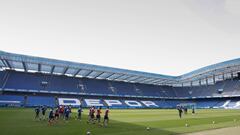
(63, 112)
(54, 114)
(92, 119)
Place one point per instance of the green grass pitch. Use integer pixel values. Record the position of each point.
(16, 121)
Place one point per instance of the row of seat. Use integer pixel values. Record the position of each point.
(59, 83)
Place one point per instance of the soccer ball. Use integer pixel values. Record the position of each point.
(88, 133)
(148, 128)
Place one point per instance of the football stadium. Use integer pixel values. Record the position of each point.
(119, 67)
(139, 102)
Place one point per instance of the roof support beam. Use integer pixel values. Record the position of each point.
(126, 79)
(139, 80)
(155, 81)
(76, 73)
(206, 81)
(53, 67)
(118, 77)
(99, 74)
(65, 71)
(150, 80)
(24, 66)
(146, 80)
(8, 64)
(164, 80)
(3, 63)
(214, 79)
(109, 75)
(134, 79)
(88, 73)
(39, 67)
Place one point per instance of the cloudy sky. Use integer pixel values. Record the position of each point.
(162, 36)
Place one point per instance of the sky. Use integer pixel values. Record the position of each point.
(169, 37)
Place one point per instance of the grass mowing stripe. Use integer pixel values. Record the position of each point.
(19, 121)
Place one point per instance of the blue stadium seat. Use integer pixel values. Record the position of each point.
(33, 101)
(11, 100)
(58, 83)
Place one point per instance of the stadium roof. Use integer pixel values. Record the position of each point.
(51, 66)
